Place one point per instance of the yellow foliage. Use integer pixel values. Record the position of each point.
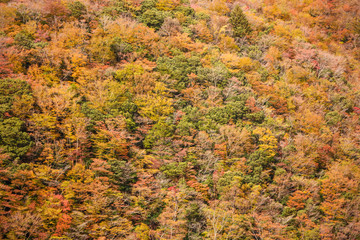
(245, 64)
(131, 32)
(142, 231)
(122, 227)
(184, 43)
(227, 43)
(167, 5)
(235, 63)
(297, 74)
(255, 20)
(291, 104)
(297, 33)
(268, 142)
(308, 121)
(282, 31)
(315, 95)
(7, 14)
(70, 36)
(15, 61)
(111, 139)
(31, 27)
(80, 174)
(273, 54)
(129, 72)
(44, 75)
(155, 105)
(78, 63)
(23, 105)
(272, 11)
(49, 213)
(208, 59)
(219, 6)
(74, 128)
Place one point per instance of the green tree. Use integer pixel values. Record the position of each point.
(240, 24)
(120, 48)
(153, 18)
(179, 67)
(24, 39)
(12, 92)
(77, 9)
(13, 138)
(14, 96)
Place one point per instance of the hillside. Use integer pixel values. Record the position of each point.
(180, 119)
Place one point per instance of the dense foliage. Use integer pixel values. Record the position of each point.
(170, 119)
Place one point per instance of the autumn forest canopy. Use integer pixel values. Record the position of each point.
(180, 119)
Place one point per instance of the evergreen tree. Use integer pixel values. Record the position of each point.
(240, 24)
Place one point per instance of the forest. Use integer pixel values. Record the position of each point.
(180, 119)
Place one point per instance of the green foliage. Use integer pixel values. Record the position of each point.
(230, 179)
(123, 174)
(287, 211)
(120, 48)
(160, 131)
(147, 5)
(24, 39)
(14, 140)
(91, 113)
(313, 234)
(342, 103)
(189, 121)
(179, 67)
(185, 126)
(202, 16)
(129, 109)
(195, 120)
(196, 220)
(163, 119)
(254, 52)
(256, 117)
(260, 161)
(235, 110)
(153, 18)
(12, 90)
(240, 24)
(220, 115)
(77, 9)
(117, 7)
(356, 26)
(15, 102)
(332, 118)
(175, 170)
(185, 10)
(216, 76)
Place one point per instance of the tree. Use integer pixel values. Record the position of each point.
(172, 219)
(15, 102)
(240, 24)
(13, 138)
(77, 9)
(11, 92)
(153, 18)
